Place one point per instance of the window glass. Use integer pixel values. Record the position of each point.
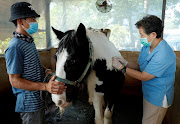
(172, 24)
(40, 36)
(67, 14)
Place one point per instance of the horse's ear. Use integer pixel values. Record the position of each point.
(59, 34)
(81, 31)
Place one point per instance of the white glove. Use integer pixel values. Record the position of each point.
(121, 59)
(116, 63)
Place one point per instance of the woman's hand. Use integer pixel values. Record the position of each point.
(121, 59)
(116, 63)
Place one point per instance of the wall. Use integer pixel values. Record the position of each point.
(47, 58)
(4, 85)
(132, 86)
(173, 113)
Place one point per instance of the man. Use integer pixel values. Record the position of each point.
(24, 67)
(156, 69)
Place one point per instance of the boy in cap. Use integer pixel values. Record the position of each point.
(24, 67)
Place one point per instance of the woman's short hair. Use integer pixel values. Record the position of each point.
(151, 23)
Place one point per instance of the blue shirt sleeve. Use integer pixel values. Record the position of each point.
(14, 60)
(140, 55)
(158, 64)
(139, 58)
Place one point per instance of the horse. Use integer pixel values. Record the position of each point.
(85, 56)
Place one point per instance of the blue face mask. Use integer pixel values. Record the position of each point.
(33, 27)
(145, 42)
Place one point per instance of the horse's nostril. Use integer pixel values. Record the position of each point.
(60, 102)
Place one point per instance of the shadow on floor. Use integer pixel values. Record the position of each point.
(128, 111)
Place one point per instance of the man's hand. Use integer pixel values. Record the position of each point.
(121, 59)
(116, 63)
(55, 87)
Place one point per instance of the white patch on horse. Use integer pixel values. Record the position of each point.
(98, 102)
(103, 48)
(91, 86)
(60, 100)
(108, 115)
(98, 82)
(61, 59)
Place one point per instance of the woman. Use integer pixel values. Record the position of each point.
(156, 67)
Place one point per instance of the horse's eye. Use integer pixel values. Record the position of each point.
(71, 61)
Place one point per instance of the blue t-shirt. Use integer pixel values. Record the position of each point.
(161, 63)
(23, 58)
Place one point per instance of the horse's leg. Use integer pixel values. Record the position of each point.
(96, 98)
(98, 103)
(108, 115)
(61, 112)
(91, 86)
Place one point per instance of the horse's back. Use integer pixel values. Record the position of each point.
(103, 48)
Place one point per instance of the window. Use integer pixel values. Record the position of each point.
(67, 14)
(172, 24)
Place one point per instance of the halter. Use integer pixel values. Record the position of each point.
(90, 63)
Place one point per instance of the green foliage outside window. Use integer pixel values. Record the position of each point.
(3, 45)
(39, 40)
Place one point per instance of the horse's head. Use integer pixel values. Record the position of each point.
(72, 57)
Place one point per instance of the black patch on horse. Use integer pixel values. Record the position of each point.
(113, 81)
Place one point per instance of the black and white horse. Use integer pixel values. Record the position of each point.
(85, 55)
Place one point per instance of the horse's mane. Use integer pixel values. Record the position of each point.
(68, 41)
